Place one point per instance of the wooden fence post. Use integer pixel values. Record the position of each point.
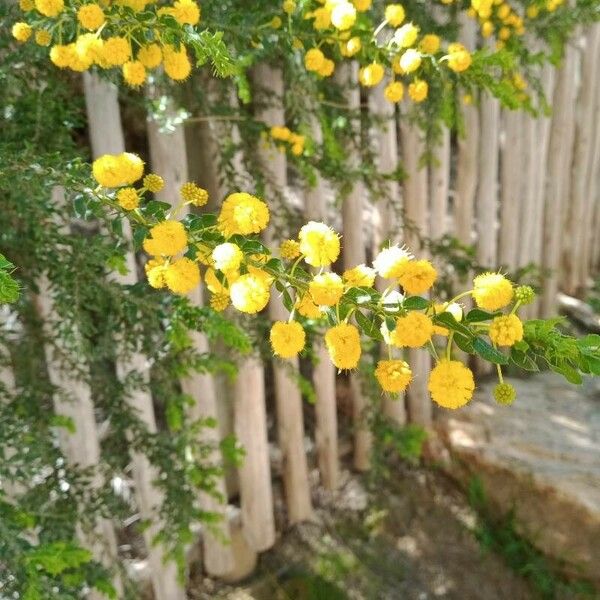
(385, 139)
(106, 136)
(353, 253)
(290, 424)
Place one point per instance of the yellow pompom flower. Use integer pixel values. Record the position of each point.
(242, 213)
(451, 384)
(134, 73)
(186, 12)
(326, 289)
(429, 44)
(418, 90)
(150, 56)
(307, 308)
(193, 194)
(313, 59)
(322, 18)
(114, 170)
(410, 61)
(49, 8)
(412, 331)
(506, 330)
(394, 92)
(394, 14)
(371, 75)
(43, 37)
(289, 6)
(182, 276)
(132, 167)
(250, 292)
(279, 133)
(459, 58)
(166, 239)
(359, 276)
(362, 5)
(61, 57)
(343, 345)
(21, 31)
(406, 36)
(227, 257)
(287, 339)
(487, 28)
(88, 49)
(416, 276)
(176, 63)
(91, 16)
(350, 47)
(492, 291)
(326, 70)
(219, 302)
(389, 260)
(289, 249)
(128, 198)
(116, 51)
(155, 272)
(319, 244)
(343, 16)
(393, 375)
(153, 183)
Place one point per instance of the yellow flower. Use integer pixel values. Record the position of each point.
(289, 249)
(388, 262)
(459, 58)
(319, 244)
(61, 56)
(322, 18)
(21, 31)
(492, 291)
(359, 276)
(343, 345)
(533, 11)
(88, 49)
(287, 339)
(416, 276)
(186, 12)
(213, 284)
(393, 375)
(242, 213)
(506, 330)
(49, 8)
(282, 134)
(114, 170)
(313, 59)
(43, 37)
(153, 183)
(326, 70)
(176, 63)
(134, 73)
(406, 36)
(429, 44)
(371, 75)
(362, 5)
(166, 239)
(289, 6)
(155, 272)
(326, 289)
(343, 16)
(91, 16)
(26, 5)
(409, 61)
(182, 276)
(307, 308)
(250, 292)
(487, 28)
(193, 194)
(227, 257)
(394, 14)
(418, 90)
(394, 92)
(219, 302)
(350, 47)
(128, 198)
(451, 384)
(150, 56)
(116, 51)
(412, 331)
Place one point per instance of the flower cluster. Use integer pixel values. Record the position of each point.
(133, 35)
(224, 251)
(283, 137)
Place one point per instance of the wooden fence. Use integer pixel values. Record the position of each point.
(521, 189)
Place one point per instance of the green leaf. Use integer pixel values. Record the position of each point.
(9, 289)
(522, 360)
(488, 352)
(197, 222)
(464, 343)
(415, 303)
(370, 326)
(569, 373)
(477, 315)
(56, 557)
(63, 421)
(447, 320)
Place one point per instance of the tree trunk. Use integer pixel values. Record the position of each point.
(439, 187)
(106, 137)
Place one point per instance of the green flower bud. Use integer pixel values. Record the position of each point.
(524, 294)
(504, 393)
